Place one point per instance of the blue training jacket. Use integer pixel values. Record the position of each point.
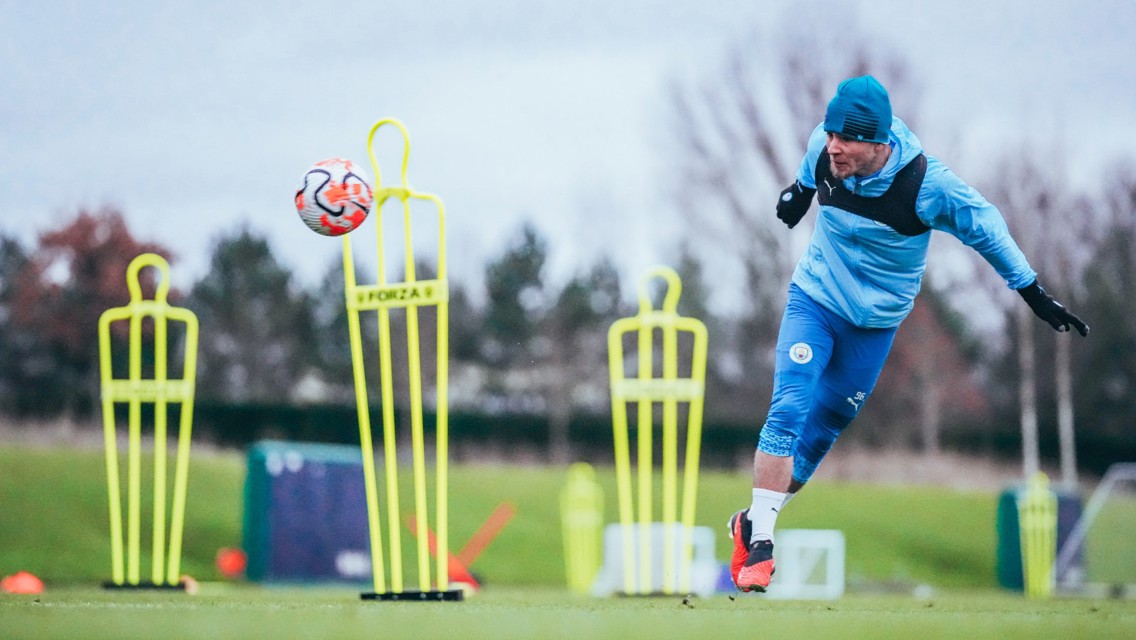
(867, 272)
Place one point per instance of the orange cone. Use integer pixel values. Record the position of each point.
(22, 582)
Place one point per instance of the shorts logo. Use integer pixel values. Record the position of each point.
(801, 353)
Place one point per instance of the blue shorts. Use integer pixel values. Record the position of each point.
(826, 368)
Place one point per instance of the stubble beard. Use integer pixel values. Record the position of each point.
(865, 167)
(840, 174)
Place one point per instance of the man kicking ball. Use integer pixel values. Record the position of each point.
(879, 196)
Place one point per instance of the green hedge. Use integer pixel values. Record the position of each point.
(239, 425)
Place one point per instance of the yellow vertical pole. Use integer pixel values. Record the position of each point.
(670, 450)
(181, 468)
(417, 435)
(442, 411)
(622, 448)
(157, 568)
(390, 438)
(134, 460)
(110, 443)
(644, 465)
(693, 445)
(362, 406)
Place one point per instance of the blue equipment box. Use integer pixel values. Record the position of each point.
(305, 514)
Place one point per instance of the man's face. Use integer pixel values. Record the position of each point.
(848, 157)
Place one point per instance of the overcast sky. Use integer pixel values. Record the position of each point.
(198, 117)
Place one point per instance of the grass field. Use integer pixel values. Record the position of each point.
(53, 515)
(222, 612)
(895, 536)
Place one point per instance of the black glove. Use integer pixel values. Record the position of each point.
(794, 203)
(1051, 310)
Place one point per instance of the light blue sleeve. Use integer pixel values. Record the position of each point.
(946, 203)
(806, 172)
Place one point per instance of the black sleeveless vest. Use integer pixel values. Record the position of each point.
(895, 208)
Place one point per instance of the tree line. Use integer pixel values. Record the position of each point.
(537, 349)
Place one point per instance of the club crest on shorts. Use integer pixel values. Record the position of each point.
(801, 353)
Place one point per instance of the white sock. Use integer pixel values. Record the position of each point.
(763, 513)
(788, 497)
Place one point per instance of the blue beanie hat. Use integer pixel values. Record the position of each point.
(860, 110)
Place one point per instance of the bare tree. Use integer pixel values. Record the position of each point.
(1105, 365)
(928, 375)
(1071, 259)
(1047, 221)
